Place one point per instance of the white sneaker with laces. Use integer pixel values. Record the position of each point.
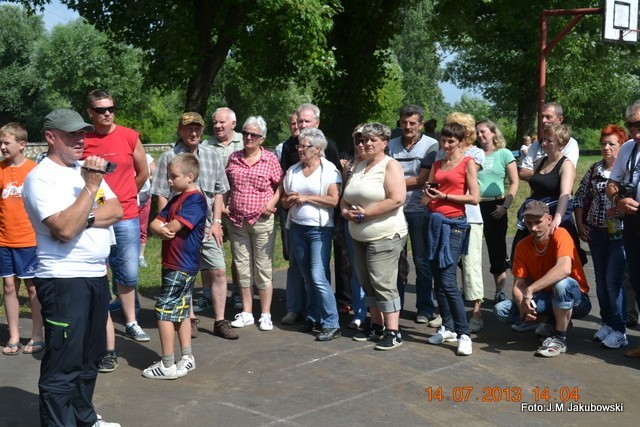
(602, 333)
(157, 371)
(615, 339)
(464, 345)
(442, 335)
(265, 322)
(186, 364)
(243, 319)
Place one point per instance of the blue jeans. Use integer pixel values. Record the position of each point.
(609, 262)
(566, 295)
(123, 258)
(358, 304)
(445, 281)
(424, 280)
(311, 248)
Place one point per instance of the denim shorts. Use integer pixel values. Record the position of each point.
(174, 300)
(123, 258)
(19, 262)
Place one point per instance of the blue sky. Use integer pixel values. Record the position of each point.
(56, 13)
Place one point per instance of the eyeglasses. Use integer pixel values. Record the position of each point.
(102, 110)
(302, 147)
(359, 142)
(251, 134)
(630, 125)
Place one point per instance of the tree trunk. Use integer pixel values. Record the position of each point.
(527, 115)
(213, 54)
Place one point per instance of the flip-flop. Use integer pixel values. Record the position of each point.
(36, 347)
(14, 349)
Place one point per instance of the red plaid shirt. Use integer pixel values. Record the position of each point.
(251, 186)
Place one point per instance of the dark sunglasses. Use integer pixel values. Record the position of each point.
(630, 125)
(358, 141)
(102, 110)
(251, 134)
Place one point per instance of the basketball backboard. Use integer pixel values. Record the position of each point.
(620, 21)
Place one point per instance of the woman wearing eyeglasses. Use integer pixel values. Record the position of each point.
(372, 203)
(311, 192)
(254, 176)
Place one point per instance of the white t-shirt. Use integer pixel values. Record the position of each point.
(620, 171)
(316, 184)
(51, 188)
(570, 151)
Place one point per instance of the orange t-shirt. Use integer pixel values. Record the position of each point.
(15, 228)
(529, 265)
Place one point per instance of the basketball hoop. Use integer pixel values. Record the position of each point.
(620, 21)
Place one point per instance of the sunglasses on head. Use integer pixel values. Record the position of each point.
(102, 110)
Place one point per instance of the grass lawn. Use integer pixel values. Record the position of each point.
(149, 278)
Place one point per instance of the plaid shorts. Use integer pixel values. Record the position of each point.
(174, 301)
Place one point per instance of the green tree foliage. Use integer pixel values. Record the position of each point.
(187, 42)
(497, 45)
(20, 86)
(360, 37)
(76, 58)
(414, 46)
(478, 107)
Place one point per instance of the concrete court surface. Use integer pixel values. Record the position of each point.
(284, 377)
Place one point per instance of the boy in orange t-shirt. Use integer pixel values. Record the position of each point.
(549, 281)
(18, 258)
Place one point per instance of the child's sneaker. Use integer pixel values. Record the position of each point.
(137, 333)
(186, 364)
(157, 371)
(243, 319)
(441, 336)
(265, 322)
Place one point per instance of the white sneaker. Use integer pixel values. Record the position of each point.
(615, 339)
(544, 330)
(157, 371)
(602, 333)
(442, 335)
(265, 322)
(103, 423)
(464, 345)
(243, 319)
(186, 364)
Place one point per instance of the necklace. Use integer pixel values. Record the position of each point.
(542, 251)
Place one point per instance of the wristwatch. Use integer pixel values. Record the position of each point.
(90, 219)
